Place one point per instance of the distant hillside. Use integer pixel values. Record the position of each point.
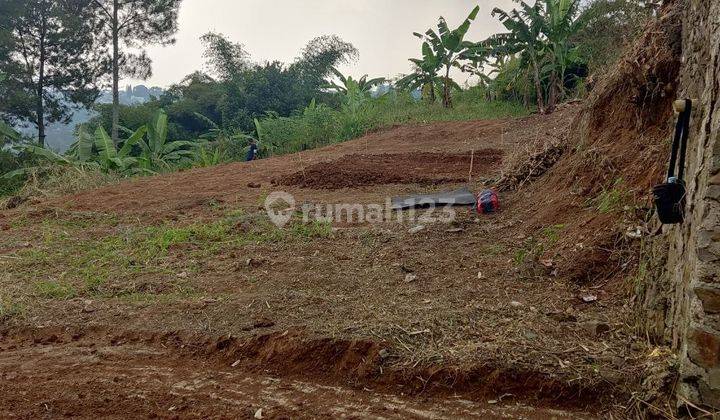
(61, 136)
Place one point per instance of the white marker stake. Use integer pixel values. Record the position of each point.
(472, 161)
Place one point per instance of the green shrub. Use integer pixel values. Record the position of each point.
(9, 163)
(320, 125)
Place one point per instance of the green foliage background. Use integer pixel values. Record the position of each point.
(289, 107)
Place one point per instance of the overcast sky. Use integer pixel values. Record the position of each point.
(279, 29)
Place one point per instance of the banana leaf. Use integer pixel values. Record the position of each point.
(104, 145)
(131, 141)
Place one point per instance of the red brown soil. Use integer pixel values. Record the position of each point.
(191, 193)
(618, 142)
(489, 314)
(359, 170)
(448, 332)
(90, 373)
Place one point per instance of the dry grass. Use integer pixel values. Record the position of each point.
(59, 180)
(526, 164)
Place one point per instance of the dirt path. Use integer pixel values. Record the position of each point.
(87, 377)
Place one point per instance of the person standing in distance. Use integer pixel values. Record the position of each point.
(253, 152)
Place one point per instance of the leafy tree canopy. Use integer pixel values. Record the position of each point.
(237, 90)
(129, 25)
(49, 59)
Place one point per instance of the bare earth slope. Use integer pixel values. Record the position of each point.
(155, 296)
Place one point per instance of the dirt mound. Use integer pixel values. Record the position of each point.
(616, 150)
(530, 168)
(357, 170)
(624, 129)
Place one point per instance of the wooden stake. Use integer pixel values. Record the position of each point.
(302, 167)
(472, 161)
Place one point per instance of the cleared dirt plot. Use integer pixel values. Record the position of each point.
(357, 170)
(175, 295)
(151, 272)
(182, 281)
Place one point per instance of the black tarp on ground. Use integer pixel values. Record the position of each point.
(461, 197)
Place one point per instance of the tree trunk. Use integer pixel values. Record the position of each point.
(115, 75)
(428, 92)
(538, 85)
(40, 105)
(552, 94)
(447, 100)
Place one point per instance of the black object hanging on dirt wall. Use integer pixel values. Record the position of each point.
(670, 196)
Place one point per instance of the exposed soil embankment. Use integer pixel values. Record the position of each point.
(614, 152)
(359, 170)
(532, 301)
(362, 363)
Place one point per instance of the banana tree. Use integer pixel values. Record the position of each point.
(425, 76)
(108, 155)
(541, 35)
(42, 154)
(158, 152)
(524, 37)
(561, 24)
(362, 85)
(451, 49)
(354, 92)
(98, 148)
(7, 133)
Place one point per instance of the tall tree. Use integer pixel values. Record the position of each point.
(524, 37)
(49, 60)
(225, 59)
(542, 35)
(130, 25)
(318, 58)
(8, 11)
(451, 49)
(252, 90)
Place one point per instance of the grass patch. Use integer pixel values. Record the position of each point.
(613, 199)
(534, 247)
(51, 289)
(494, 249)
(236, 229)
(135, 260)
(320, 125)
(10, 309)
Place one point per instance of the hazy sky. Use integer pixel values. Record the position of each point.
(279, 29)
